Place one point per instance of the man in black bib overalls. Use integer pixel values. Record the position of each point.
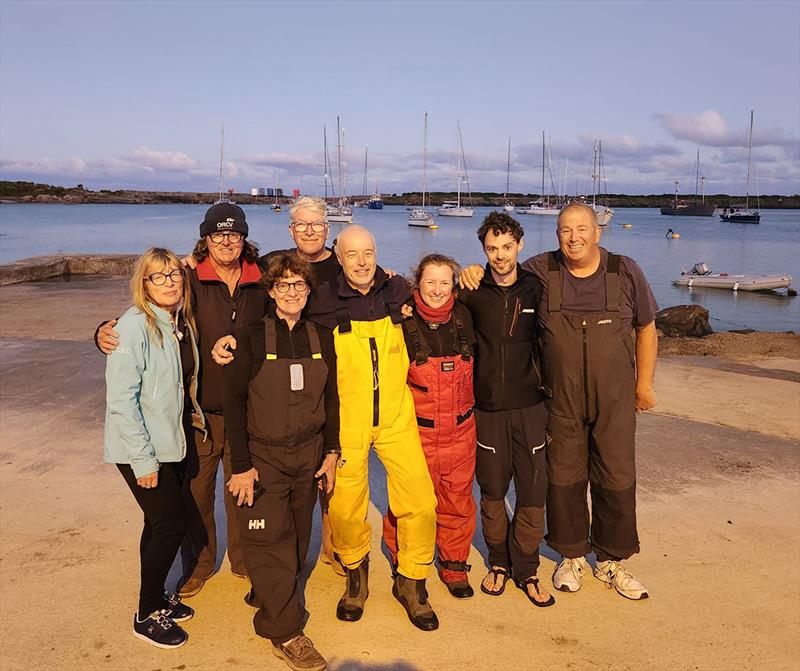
(599, 379)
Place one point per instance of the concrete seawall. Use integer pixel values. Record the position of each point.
(48, 267)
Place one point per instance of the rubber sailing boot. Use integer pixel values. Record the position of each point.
(351, 605)
(414, 598)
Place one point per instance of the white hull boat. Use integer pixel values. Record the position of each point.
(701, 276)
(543, 210)
(454, 210)
(604, 214)
(421, 218)
(339, 215)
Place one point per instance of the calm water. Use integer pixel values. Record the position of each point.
(769, 248)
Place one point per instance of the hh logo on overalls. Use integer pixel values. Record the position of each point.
(448, 366)
(256, 524)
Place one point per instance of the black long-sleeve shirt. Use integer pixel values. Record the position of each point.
(249, 356)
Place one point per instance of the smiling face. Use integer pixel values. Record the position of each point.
(289, 303)
(579, 237)
(436, 285)
(168, 294)
(225, 253)
(309, 242)
(502, 252)
(356, 252)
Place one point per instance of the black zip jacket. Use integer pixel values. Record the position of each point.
(217, 314)
(506, 324)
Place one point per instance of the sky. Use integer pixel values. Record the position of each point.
(121, 94)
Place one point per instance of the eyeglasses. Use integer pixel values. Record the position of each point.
(316, 226)
(159, 279)
(283, 287)
(233, 238)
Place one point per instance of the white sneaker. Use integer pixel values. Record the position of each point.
(615, 575)
(569, 574)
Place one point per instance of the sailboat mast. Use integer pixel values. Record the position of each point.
(326, 161)
(541, 195)
(508, 168)
(339, 155)
(221, 155)
(364, 187)
(458, 167)
(424, 160)
(594, 175)
(697, 174)
(749, 154)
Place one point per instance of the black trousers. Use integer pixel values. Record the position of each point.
(199, 550)
(276, 533)
(165, 524)
(511, 444)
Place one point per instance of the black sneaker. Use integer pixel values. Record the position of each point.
(176, 609)
(159, 630)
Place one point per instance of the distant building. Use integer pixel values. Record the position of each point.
(295, 193)
(257, 191)
(278, 192)
(270, 191)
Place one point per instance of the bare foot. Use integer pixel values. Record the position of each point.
(537, 593)
(495, 581)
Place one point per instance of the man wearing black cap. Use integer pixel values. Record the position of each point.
(227, 296)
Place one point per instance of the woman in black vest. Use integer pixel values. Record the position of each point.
(282, 419)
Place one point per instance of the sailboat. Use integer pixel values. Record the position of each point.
(456, 209)
(508, 206)
(277, 206)
(603, 212)
(737, 215)
(695, 208)
(420, 216)
(342, 212)
(543, 206)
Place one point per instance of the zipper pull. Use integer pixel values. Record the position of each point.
(233, 316)
(583, 324)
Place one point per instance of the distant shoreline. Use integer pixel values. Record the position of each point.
(29, 192)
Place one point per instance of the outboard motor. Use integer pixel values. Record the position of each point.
(700, 269)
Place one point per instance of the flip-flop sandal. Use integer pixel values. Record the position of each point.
(497, 572)
(535, 582)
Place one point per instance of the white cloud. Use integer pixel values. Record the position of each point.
(163, 160)
(710, 129)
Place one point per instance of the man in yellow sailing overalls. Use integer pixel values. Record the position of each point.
(376, 410)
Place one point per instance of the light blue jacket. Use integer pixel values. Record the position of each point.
(145, 395)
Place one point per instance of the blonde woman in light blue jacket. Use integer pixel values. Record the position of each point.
(151, 397)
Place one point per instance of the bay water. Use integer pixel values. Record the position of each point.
(771, 247)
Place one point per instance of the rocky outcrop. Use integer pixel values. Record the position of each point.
(46, 267)
(684, 320)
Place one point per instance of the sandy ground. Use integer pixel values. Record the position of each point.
(719, 507)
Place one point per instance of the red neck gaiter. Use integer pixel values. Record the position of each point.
(434, 315)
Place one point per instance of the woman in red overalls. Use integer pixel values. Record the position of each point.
(440, 342)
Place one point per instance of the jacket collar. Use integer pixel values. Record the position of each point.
(488, 278)
(272, 311)
(162, 315)
(346, 291)
(251, 273)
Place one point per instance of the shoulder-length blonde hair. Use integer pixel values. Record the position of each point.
(156, 260)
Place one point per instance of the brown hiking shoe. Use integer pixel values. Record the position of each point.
(351, 605)
(300, 654)
(188, 587)
(414, 598)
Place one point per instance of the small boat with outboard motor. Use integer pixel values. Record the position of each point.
(701, 276)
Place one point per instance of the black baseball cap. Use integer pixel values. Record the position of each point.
(224, 218)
